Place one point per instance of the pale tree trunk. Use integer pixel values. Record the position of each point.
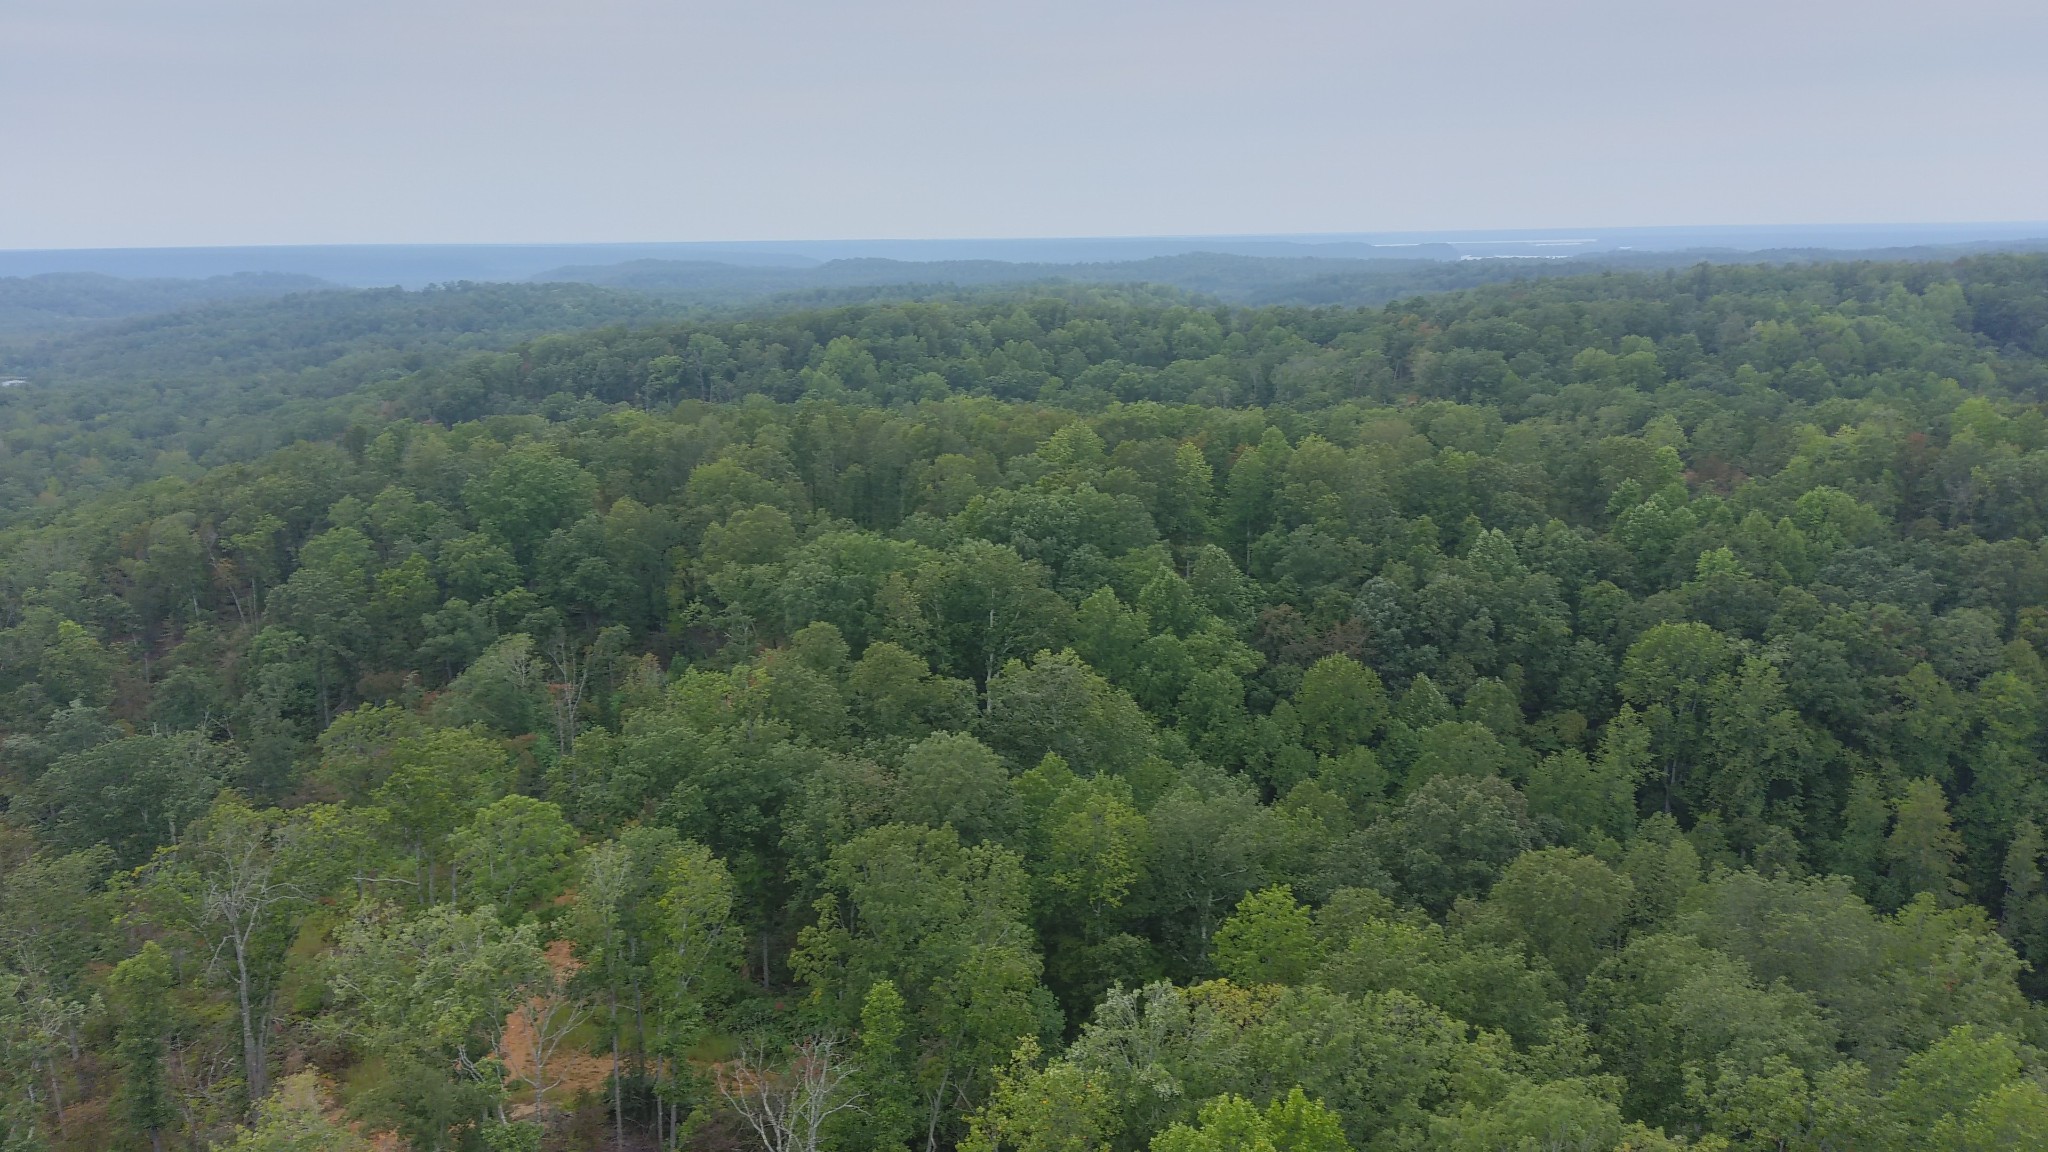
(618, 1095)
(254, 1063)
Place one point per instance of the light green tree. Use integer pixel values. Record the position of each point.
(1269, 939)
(1291, 1123)
(291, 1120)
(514, 854)
(437, 780)
(238, 884)
(1923, 849)
(433, 995)
(1036, 1107)
(948, 926)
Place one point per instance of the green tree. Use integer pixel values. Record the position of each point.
(1923, 850)
(527, 494)
(952, 779)
(1451, 837)
(1186, 501)
(1782, 1106)
(697, 947)
(613, 922)
(1341, 704)
(323, 604)
(140, 988)
(1249, 494)
(239, 883)
(1095, 846)
(515, 854)
(988, 606)
(1755, 744)
(1291, 1123)
(437, 779)
(292, 1121)
(1568, 1113)
(1669, 675)
(947, 925)
(894, 693)
(432, 996)
(1944, 1080)
(1665, 1008)
(1587, 797)
(2015, 1116)
(2025, 921)
(1467, 974)
(888, 1111)
(133, 795)
(1205, 847)
(1054, 1107)
(1270, 939)
(1058, 704)
(29, 1047)
(1569, 907)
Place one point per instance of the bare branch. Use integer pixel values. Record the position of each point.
(787, 1107)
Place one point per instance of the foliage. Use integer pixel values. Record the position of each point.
(1600, 712)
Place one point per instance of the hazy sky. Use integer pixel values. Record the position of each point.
(158, 122)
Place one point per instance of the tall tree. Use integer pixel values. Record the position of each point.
(1923, 849)
(238, 884)
(140, 987)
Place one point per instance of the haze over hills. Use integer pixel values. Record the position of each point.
(418, 265)
(57, 291)
(1232, 277)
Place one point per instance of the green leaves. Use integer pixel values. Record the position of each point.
(1568, 907)
(513, 854)
(134, 794)
(695, 942)
(528, 494)
(947, 926)
(140, 987)
(1269, 939)
(735, 652)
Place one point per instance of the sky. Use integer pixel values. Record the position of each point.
(226, 122)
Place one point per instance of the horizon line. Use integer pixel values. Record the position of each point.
(1535, 234)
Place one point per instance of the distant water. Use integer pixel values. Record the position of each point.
(414, 265)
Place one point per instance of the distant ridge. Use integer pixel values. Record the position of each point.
(1236, 279)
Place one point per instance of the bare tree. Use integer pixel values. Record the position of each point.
(230, 878)
(573, 665)
(550, 1012)
(787, 1107)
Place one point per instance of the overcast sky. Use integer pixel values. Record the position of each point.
(190, 122)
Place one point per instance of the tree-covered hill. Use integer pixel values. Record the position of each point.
(128, 399)
(65, 300)
(1600, 712)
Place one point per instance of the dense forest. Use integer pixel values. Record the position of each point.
(171, 392)
(1596, 713)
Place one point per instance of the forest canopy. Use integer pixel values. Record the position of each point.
(1604, 712)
